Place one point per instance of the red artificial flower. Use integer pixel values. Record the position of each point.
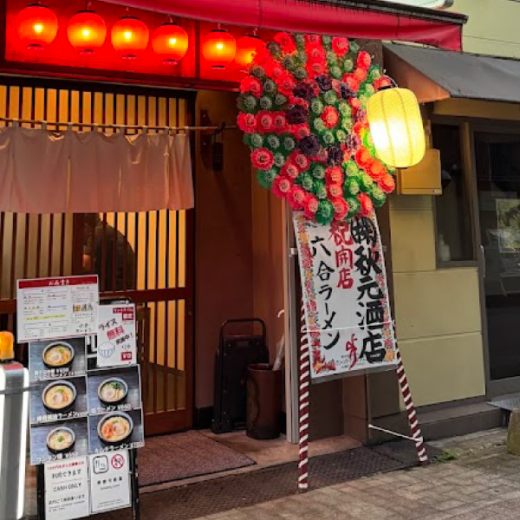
(279, 122)
(285, 84)
(286, 42)
(387, 183)
(360, 75)
(315, 69)
(297, 198)
(252, 85)
(311, 206)
(377, 170)
(341, 208)
(351, 81)
(273, 69)
(293, 100)
(262, 159)
(330, 117)
(282, 186)
(264, 122)
(312, 40)
(355, 104)
(246, 123)
(384, 82)
(340, 45)
(358, 128)
(300, 131)
(347, 153)
(334, 175)
(364, 60)
(367, 207)
(334, 190)
(362, 157)
(290, 170)
(316, 54)
(300, 160)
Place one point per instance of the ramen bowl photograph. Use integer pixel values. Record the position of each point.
(61, 440)
(59, 354)
(116, 429)
(59, 396)
(112, 391)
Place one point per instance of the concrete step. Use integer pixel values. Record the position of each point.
(460, 420)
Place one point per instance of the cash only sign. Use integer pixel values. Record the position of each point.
(345, 296)
(86, 418)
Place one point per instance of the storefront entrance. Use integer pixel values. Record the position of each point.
(146, 256)
(497, 160)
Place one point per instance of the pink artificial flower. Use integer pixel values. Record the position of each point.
(334, 190)
(322, 155)
(262, 159)
(252, 85)
(290, 170)
(279, 122)
(330, 117)
(300, 160)
(246, 123)
(334, 175)
(264, 122)
(340, 208)
(340, 45)
(300, 131)
(311, 206)
(282, 186)
(297, 197)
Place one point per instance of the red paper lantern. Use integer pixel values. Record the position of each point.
(219, 48)
(171, 42)
(86, 31)
(129, 36)
(247, 48)
(37, 26)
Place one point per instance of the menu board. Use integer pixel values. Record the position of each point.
(116, 335)
(51, 308)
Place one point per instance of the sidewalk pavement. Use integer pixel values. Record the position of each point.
(482, 482)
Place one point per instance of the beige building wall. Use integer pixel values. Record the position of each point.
(437, 310)
(492, 27)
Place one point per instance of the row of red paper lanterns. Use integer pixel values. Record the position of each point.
(37, 27)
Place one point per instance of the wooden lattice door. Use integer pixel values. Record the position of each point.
(146, 256)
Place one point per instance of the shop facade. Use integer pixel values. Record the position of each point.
(228, 258)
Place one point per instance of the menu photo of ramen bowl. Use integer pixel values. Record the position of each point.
(61, 440)
(59, 396)
(56, 359)
(112, 391)
(115, 428)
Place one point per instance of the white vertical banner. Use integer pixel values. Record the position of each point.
(345, 295)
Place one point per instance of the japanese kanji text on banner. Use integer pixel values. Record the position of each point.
(345, 296)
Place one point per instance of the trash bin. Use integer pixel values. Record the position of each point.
(264, 401)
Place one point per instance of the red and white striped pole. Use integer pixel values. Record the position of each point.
(410, 410)
(304, 387)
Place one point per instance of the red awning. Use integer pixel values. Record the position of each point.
(354, 18)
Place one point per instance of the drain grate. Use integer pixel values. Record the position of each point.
(206, 498)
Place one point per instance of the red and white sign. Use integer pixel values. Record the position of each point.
(53, 308)
(116, 335)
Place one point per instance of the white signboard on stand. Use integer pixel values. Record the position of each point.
(116, 343)
(67, 489)
(347, 310)
(52, 308)
(110, 481)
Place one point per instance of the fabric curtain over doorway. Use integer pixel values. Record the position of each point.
(93, 172)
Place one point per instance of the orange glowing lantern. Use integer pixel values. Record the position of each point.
(170, 41)
(219, 48)
(129, 36)
(86, 31)
(247, 48)
(37, 26)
